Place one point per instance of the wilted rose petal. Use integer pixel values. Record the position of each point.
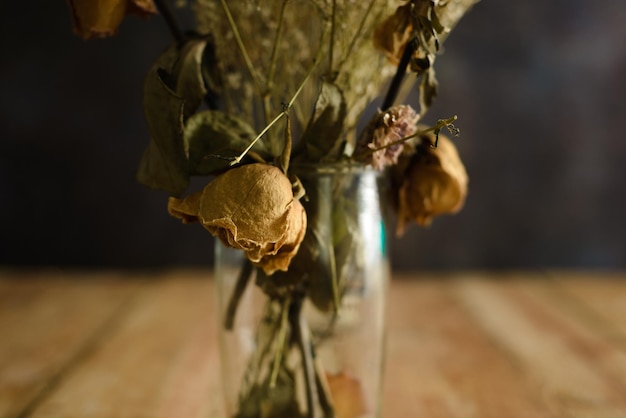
(101, 18)
(251, 208)
(347, 394)
(434, 183)
(296, 229)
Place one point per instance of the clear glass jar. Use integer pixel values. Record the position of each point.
(309, 342)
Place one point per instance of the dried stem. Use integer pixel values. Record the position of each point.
(301, 333)
(277, 39)
(242, 282)
(281, 339)
(165, 11)
(278, 117)
(396, 82)
(323, 389)
(331, 46)
(285, 156)
(241, 46)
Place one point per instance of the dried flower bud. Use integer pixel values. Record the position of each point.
(382, 135)
(101, 18)
(434, 182)
(393, 34)
(251, 208)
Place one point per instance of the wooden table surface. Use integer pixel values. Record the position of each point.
(502, 345)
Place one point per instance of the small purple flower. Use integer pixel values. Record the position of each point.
(380, 144)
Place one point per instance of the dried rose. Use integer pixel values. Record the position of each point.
(433, 182)
(101, 18)
(347, 394)
(380, 145)
(251, 208)
(392, 35)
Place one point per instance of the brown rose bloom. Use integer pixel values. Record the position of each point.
(429, 182)
(251, 208)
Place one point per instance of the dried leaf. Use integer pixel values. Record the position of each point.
(173, 90)
(251, 208)
(164, 164)
(429, 88)
(322, 138)
(348, 397)
(101, 18)
(212, 138)
(188, 74)
(211, 74)
(393, 34)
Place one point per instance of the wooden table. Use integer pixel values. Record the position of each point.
(118, 344)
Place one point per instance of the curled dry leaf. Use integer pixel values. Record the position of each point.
(251, 208)
(434, 182)
(347, 393)
(181, 139)
(101, 18)
(392, 34)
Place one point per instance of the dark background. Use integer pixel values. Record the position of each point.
(539, 88)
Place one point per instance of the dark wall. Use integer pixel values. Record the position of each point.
(538, 87)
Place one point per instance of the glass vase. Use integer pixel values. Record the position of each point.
(309, 342)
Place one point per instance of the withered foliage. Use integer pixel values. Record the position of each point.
(262, 99)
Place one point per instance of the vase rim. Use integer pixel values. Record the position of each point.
(331, 168)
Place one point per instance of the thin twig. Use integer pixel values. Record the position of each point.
(281, 339)
(278, 117)
(242, 282)
(285, 156)
(326, 400)
(301, 333)
(164, 9)
(269, 84)
(277, 38)
(331, 45)
(241, 46)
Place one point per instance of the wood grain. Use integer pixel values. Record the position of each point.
(463, 345)
(597, 298)
(441, 365)
(47, 323)
(576, 371)
(160, 362)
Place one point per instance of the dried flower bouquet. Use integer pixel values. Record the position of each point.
(263, 90)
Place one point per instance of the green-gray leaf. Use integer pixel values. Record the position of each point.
(322, 139)
(164, 164)
(188, 74)
(213, 138)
